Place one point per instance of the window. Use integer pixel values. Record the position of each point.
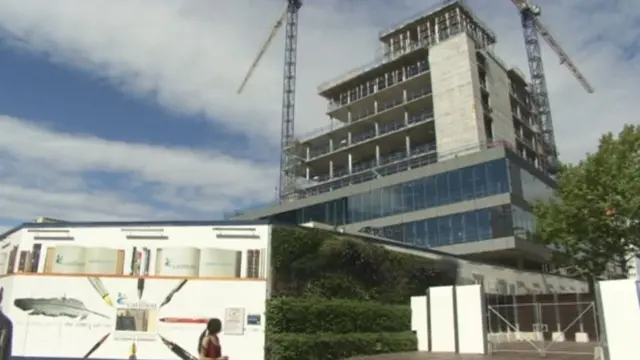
(442, 189)
(447, 230)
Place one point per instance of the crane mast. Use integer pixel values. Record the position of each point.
(288, 160)
(539, 86)
(532, 27)
(287, 183)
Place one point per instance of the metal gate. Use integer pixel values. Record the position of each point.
(546, 324)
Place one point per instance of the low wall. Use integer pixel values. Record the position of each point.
(450, 319)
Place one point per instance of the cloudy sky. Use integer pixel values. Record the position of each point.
(126, 109)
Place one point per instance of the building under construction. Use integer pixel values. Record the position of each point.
(438, 146)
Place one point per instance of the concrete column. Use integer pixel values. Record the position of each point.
(307, 173)
(429, 34)
(330, 146)
(349, 138)
(377, 155)
(404, 95)
(448, 22)
(349, 116)
(436, 33)
(408, 40)
(350, 166)
(331, 169)
(308, 151)
(406, 118)
(377, 126)
(407, 142)
(375, 106)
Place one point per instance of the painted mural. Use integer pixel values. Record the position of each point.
(113, 295)
(141, 318)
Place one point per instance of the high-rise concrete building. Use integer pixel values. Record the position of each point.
(437, 146)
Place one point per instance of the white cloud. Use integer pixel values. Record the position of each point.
(51, 171)
(190, 56)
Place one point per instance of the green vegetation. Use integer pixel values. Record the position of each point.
(317, 263)
(311, 315)
(337, 346)
(335, 296)
(595, 218)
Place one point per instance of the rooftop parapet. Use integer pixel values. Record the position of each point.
(415, 19)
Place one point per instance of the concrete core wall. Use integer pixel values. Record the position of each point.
(456, 96)
(499, 99)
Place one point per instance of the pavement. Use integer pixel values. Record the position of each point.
(513, 351)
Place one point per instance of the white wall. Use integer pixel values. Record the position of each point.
(620, 309)
(450, 319)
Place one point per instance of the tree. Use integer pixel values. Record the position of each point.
(594, 219)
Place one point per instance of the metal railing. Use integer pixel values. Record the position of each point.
(401, 162)
(379, 60)
(420, 156)
(432, 9)
(412, 71)
(383, 130)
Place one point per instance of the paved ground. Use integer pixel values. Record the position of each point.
(513, 351)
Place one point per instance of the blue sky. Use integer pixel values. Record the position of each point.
(117, 110)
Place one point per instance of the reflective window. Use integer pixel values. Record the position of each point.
(467, 183)
(533, 188)
(478, 225)
(524, 223)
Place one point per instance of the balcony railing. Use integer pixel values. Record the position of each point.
(412, 71)
(419, 156)
(357, 138)
(432, 9)
(372, 65)
(390, 164)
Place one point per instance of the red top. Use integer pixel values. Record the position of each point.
(213, 349)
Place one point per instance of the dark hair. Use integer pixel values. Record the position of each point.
(214, 326)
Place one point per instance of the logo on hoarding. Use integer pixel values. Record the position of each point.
(121, 299)
(169, 264)
(123, 302)
(60, 261)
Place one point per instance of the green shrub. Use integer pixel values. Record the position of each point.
(312, 262)
(336, 346)
(312, 315)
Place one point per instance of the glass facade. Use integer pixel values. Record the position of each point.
(468, 183)
(524, 222)
(470, 226)
(533, 188)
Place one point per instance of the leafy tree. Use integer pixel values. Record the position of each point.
(594, 219)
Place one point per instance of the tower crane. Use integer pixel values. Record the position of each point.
(531, 27)
(289, 17)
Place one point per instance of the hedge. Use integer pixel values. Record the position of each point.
(336, 346)
(313, 262)
(312, 315)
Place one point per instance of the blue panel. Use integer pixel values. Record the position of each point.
(469, 183)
